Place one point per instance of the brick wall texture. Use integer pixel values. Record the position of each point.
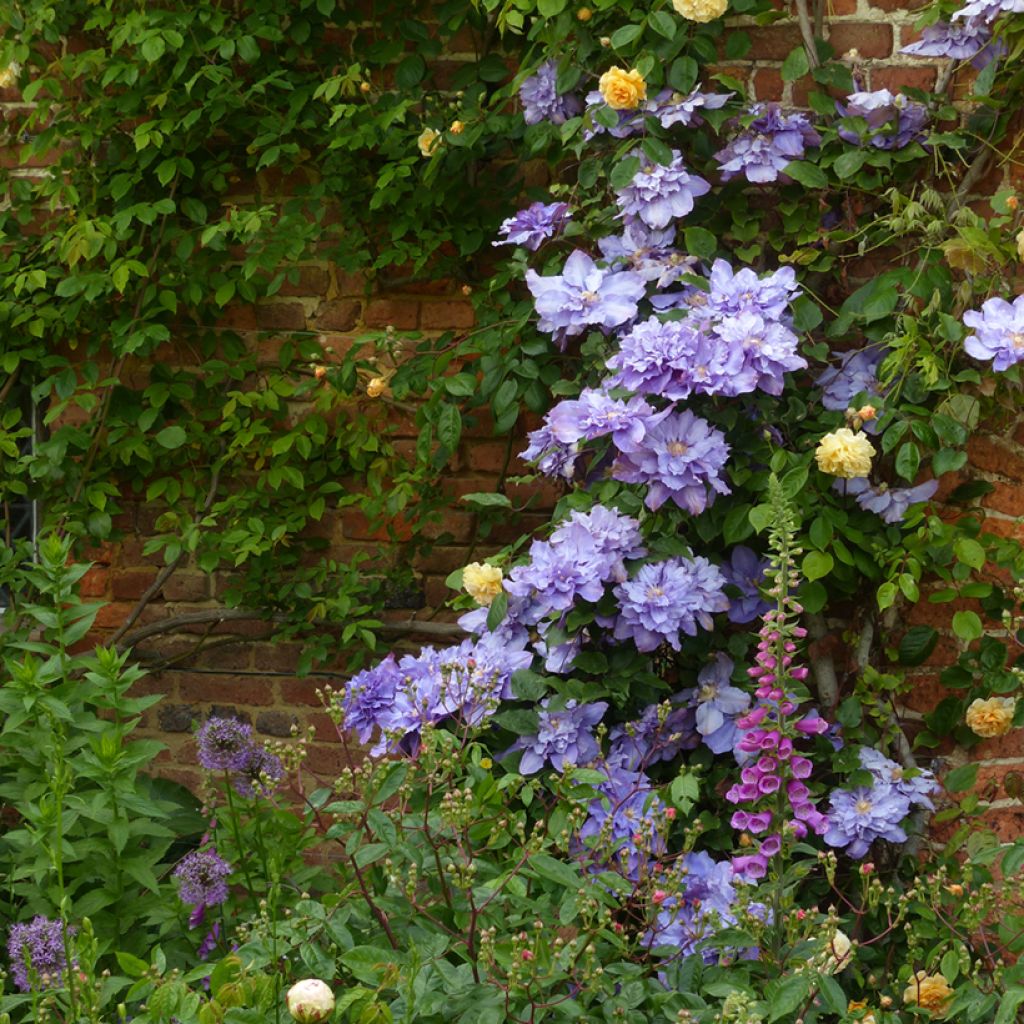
(256, 678)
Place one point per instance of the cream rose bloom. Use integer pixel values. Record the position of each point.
(428, 141)
(377, 386)
(9, 75)
(992, 717)
(701, 10)
(622, 89)
(837, 952)
(845, 454)
(1020, 243)
(482, 582)
(861, 1004)
(930, 992)
(310, 1001)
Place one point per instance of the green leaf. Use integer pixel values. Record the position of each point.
(625, 35)
(449, 427)
(410, 72)
(816, 564)
(947, 460)
(962, 778)
(786, 996)
(850, 163)
(497, 610)
(967, 626)
(557, 871)
(795, 65)
(908, 461)
(886, 595)
(1011, 1002)
(700, 242)
(551, 8)
(806, 173)
(171, 437)
(487, 499)
(623, 172)
(970, 552)
(663, 23)
(917, 645)
(132, 965)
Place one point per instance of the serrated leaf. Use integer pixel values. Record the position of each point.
(795, 65)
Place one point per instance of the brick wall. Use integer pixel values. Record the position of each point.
(256, 678)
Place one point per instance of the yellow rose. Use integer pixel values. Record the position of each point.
(482, 582)
(1020, 243)
(861, 1004)
(837, 952)
(457, 128)
(992, 717)
(428, 141)
(701, 10)
(929, 991)
(622, 89)
(9, 76)
(377, 386)
(845, 454)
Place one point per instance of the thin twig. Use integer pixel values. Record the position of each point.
(807, 32)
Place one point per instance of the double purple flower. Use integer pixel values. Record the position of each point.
(661, 193)
(998, 332)
(892, 122)
(772, 140)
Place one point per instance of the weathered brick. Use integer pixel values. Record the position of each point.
(310, 281)
(187, 586)
(276, 723)
(868, 39)
(1008, 498)
(281, 316)
(768, 84)
(995, 455)
(95, 582)
(176, 717)
(445, 316)
(207, 688)
(338, 315)
(773, 42)
(899, 78)
(402, 314)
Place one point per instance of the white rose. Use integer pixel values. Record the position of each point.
(310, 1001)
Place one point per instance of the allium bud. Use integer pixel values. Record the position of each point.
(310, 1001)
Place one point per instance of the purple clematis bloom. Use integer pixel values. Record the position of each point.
(718, 704)
(672, 108)
(563, 737)
(891, 503)
(892, 121)
(368, 694)
(668, 598)
(762, 150)
(614, 535)
(856, 375)
(595, 413)
(998, 332)
(660, 193)
(551, 456)
(970, 39)
(37, 946)
(745, 570)
(531, 227)
(541, 99)
(918, 790)
(742, 291)
(654, 736)
(640, 248)
(681, 458)
(988, 10)
(860, 816)
(559, 574)
(769, 348)
(584, 295)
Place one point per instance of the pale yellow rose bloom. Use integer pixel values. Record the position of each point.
(482, 582)
(701, 10)
(1020, 244)
(310, 1001)
(622, 89)
(377, 386)
(428, 141)
(929, 991)
(845, 454)
(837, 951)
(992, 717)
(9, 76)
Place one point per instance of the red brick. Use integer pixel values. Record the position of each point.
(300, 691)
(131, 584)
(348, 284)
(1008, 498)
(337, 315)
(898, 79)
(446, 316)
(94, 582)
(898, 5)
(226, 657)
(869, 40)
(112, 615)
(226, 689)
(460, 526)
(773, 42)
(281, 316)
(487, 456)
(767, 84)
(187, 586)
(802, 89)
(839, 8)
(402, 314)
(994, 455)
(239, 317)
(311, 281)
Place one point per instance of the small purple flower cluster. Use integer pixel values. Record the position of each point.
(397, 699)
(857, 817)
(532, 226)
(998, 332)
(763, 149)
(891, 503)
(772, 777)
(228, 745)
(891, 122)
(202, 879)
(668, 598)
(36, 951)
(660, 193)
(541, 99)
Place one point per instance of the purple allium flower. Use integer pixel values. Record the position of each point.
(541, 99)
(999, 332)
(37, 947)
(202, 877)
(718, 704)
(677, 359)
(705, 908)
(769, 348)
(260, 774)
(762, 150)
(962, 40)
(681, 458)
(584, 295)
(988, 10)
(672, 108)
(855, 376)
(224, 744)
(659, 193)
(367, 695)
(551, 456)
(655, 736)
(595, 413)
(891, 503)
(532, 226)
(745, 570)
(742, 291)
(918, 790)
(563, 737)
(860, 816)
(667, 598)
(892, 121)
(622, 826)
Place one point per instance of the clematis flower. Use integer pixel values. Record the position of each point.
(860, 816)
(967, 39)
(661, 193)
(541, 99)
(998, 332)
(745, 570)
(675, 108)
(891, 503)
(762, 150)
(892, 121)
(532, 226)
(564, 738)
(718, 704)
